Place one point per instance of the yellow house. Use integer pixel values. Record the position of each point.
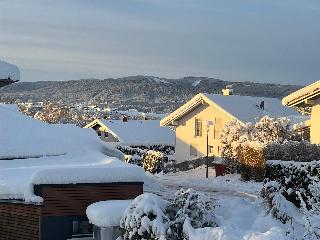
(308, 96)
(209, 113)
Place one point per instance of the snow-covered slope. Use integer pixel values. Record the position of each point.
(8, 70)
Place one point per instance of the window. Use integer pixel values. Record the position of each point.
(217, 128)
(106, 134)
(198, 128)
(193, 150)
(99, 133)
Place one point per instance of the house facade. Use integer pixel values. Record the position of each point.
(308, 96)
(204, 116)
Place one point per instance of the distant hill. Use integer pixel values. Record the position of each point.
(145, 93)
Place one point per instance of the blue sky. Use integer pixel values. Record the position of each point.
(242, 40)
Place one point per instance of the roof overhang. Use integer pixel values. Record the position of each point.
(199, 99)
(304, 97)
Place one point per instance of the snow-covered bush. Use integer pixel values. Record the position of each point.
(277, 204)
(153, 161)
(265, 131)
(145, 219)
(152, 157)
(297, 180)
(229, 137)
(150, 217)
(252, 161)
(191, 206)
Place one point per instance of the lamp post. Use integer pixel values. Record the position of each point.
(209, 124)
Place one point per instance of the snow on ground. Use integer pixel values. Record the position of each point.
(195, 178)
(240, 211)
(9, 70)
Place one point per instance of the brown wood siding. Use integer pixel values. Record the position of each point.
(19, 222)
(72, 200)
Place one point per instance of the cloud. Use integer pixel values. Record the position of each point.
(258, 40)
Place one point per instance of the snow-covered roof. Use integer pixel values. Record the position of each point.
(8, 70)
(243, 108)
(140, 131)
(247, 109)
(41, 153)
(299, 97)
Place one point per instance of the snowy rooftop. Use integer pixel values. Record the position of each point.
(9, 70)
(243, 108)
(53, 154)
(140, 131)
(306, 93)
(247, 109)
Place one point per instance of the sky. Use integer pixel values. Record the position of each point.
(275, 41)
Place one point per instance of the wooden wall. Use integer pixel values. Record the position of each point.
(19, 221)
(72, 200)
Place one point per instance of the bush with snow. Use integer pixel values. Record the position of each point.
(189, 205)
(306, 217)
(153, 158)
(153, 161)
(145, 219)
(292, 194)
(264, 132)
(297, 180)
(150, 217)
(293, 151)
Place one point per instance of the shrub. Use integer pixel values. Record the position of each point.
(293, 151)
(277, 205)
(153, 161)
(297, 180)
(267, 130)
(145, 219)
(151, 157)
(253, 162)
(150, 217)
(191, 205)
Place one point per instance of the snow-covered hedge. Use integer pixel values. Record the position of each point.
(293, 151)
(292, 195)
(297, 179)
(265, 131)
(150, 217)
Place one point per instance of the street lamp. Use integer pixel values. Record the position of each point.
(209, 124)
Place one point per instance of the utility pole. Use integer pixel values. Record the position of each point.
(207, 160)
(210, 123)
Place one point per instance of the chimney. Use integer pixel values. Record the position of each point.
(124, 118)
